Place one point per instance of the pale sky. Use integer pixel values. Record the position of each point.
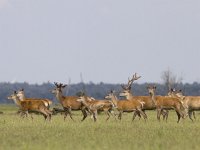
(105, 40)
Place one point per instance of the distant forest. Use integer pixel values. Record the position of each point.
(97, 91)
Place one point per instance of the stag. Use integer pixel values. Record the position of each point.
(68, 103)
(148, 104)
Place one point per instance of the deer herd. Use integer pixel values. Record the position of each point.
(112, 106)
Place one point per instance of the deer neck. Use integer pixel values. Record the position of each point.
(22, 97)
(114, 100)
(153, 98)
(17, 101)
(59, 97)
(129, 96)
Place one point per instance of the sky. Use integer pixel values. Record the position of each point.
(104, 40)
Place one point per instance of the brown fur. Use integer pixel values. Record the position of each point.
(32, 105)
(166, 102)
(148, 104)
(97, 105)
(68, 103)
(127, 106)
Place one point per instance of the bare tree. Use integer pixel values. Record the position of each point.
(170, 79)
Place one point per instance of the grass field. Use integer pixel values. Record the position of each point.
(17, 133)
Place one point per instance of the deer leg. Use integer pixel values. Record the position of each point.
(135, 113)
(194, 115)
(178, 115)
(190, 115)
(95, 115)
(143, 114)
(84, 114)
(31, 117)
(49, 114)
(138, 113)
(163, 114)
(158, 114)
(166, 115)
(65, 114)
(70, 113)
(113, 114)
(45, 114)
(24, 114)
(108, 115)
(120, 115)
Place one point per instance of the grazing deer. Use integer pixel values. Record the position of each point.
(31, 105)
(22, 97)
(191, 103)
(166, 102)
(68, 103)
(127, 106)
(148, 104)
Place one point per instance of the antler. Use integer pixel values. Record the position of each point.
(60, 85)
(56, 84)
(130, 81)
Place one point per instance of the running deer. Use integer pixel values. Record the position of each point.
(68, 103)
(148, 104)
(192, 103)
(22, 97)
(135, 106)
(96, 105)
(31, 105)
(166, 102)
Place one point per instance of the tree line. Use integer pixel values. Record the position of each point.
(97, 91)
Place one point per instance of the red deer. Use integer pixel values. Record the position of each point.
(93, 106)
(22, 97)
(191, 103)
(127, 106)
(31, 105)
(68, 103)
(166, 102)
(148, 104)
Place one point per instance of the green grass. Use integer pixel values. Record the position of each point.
(17, 133)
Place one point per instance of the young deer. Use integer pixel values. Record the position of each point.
(166, 102)
(68, 103)
(89, 102)
(135, 106)
(95, 105)
(31, 105)
(148, 104)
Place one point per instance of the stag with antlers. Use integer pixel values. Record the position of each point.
(68, 103)
(148, 104)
